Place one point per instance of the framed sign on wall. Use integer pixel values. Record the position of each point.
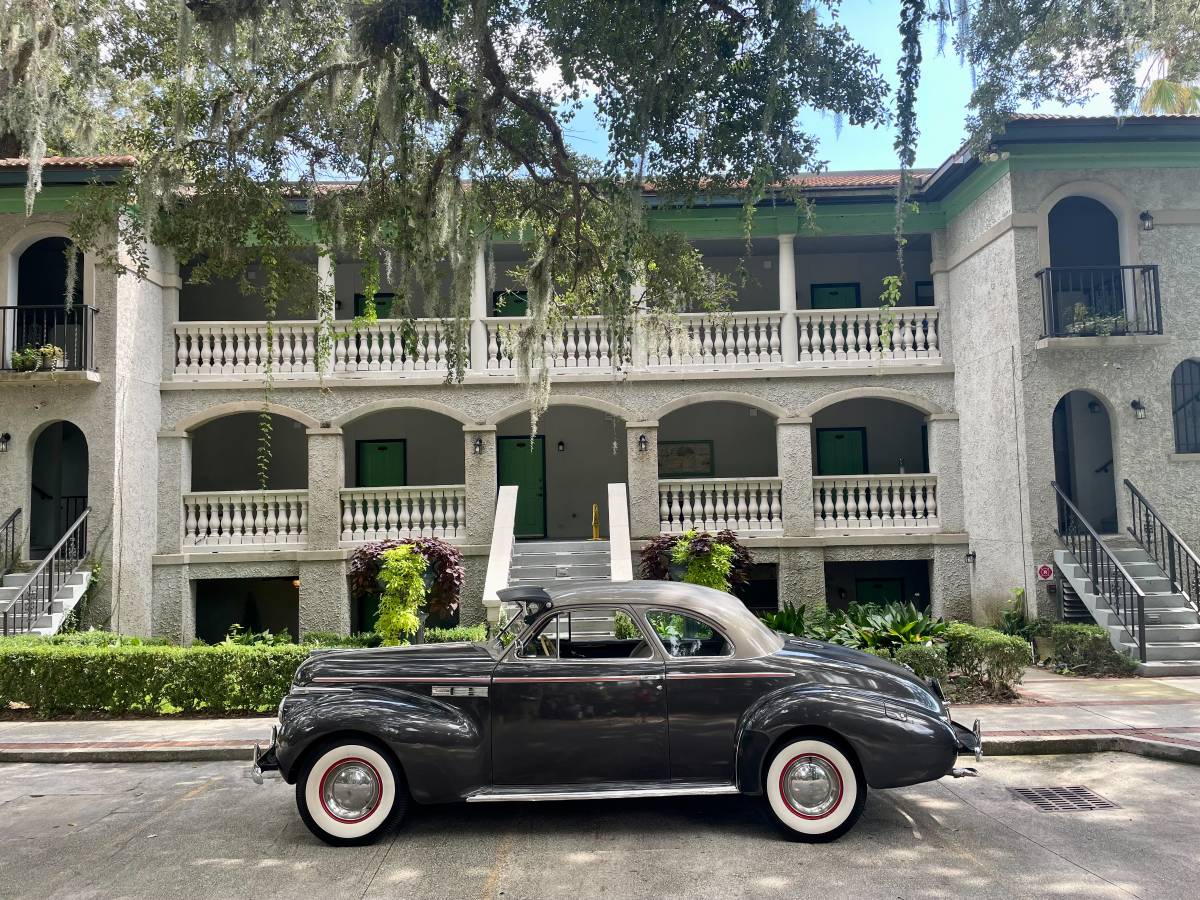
(685, 459)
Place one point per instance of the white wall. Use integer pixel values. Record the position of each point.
(433, 444)
(743, 437)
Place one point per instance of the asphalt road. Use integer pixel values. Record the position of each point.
(180, 830)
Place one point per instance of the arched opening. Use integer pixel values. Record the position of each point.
(58, 492)
(1083, 458)
(401, 447)
(562, 471)
(1185, 406)
(1086, 291)
(225, 454)
(42, 314)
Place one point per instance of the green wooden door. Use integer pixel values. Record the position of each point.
(879, 590)
(510, 303)
(384, 305)
(517, 463)
(380, 463)
(841, 451)
(835, 296)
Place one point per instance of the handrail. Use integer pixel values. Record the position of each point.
(9, 542)
(1110, 579)
(620, 560)
(501, 550)
(1160, 540)
(46, 581)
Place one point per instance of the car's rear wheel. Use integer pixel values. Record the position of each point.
(350, 790)
(814, 790)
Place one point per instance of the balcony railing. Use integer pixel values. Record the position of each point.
(1091, 301)
(714, 504)
(848, 502)
(717, 339)
(583, 342)
(391, 513)
(245, 518)
(860, 335)
(71, 330)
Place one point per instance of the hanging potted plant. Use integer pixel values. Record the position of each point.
(719, 561)
(50, 355)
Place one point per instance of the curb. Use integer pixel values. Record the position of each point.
(239, 752)
(1101, 743)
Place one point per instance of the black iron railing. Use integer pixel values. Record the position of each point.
(10, 542)
(1085, 301)
(1111, 581)
(1168, 549)
(36, 598)
(71, 330)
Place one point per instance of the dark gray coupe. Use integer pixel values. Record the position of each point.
(602, 690)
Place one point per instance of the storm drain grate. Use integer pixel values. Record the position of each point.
(1064, 799)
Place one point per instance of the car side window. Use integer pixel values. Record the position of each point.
(683, 636)
(592, 633)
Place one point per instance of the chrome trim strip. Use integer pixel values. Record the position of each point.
(606, 794)
(381, 679)
(526, 679)
(689, 675)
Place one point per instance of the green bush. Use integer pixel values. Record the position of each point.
(1086, 650)
(863, 626)
(925, 660)
(987, 656)
(457, 633)
(55, 678)
(336, 639)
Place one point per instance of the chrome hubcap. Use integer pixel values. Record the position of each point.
(351, 790)
(811, 786)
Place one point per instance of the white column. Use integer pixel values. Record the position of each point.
(174, 480)
(479, 298)
(326, 475)
(326, 300)
(172, 283)
(793, 439)
(480, 477)
(638, 335)
(787, 297)
(642, 469)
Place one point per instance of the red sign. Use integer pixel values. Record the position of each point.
(1044, 572)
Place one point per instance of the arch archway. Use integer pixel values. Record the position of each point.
(1084, 466)
(58, 486)
(41, 312)
(1185, 406)
(225, 453)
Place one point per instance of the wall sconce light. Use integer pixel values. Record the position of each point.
(970, 557)
(1138, 407)
(1093, 407)
(562, 445)
(643, 443)
(477, 446)
(1147, 220)
(4, 439)
(295, 582)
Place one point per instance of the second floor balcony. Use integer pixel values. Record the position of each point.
(40, 338)
(1100, 301)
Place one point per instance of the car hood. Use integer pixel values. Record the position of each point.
(836, 665)
(420, 661)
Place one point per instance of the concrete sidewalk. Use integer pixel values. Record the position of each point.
(1056, 714)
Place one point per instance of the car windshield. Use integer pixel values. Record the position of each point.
(509, 626)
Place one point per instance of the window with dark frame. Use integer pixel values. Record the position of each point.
(1185, 406)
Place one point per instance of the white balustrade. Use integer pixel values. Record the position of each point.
(857, 335)
(376, 514)
(849, 502)
(715, 339)
(245, 518)
(234, 348)
(582, 342)
(714, 504)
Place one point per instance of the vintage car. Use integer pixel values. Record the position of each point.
(606, 690)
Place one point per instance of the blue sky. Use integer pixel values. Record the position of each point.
(941, 101)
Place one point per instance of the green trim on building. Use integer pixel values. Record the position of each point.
(52, 198)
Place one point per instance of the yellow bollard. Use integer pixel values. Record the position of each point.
(595, 521)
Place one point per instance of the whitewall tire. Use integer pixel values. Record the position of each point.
(349, 791)
(814, 790)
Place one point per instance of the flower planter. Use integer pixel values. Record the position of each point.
(48, 364)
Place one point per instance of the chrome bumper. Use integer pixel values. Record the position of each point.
(970, 740)
(265, 760)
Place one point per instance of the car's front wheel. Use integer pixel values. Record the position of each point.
(814, 790)
(348, 791)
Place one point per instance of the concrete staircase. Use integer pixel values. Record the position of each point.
(69, 593)
(1172, 624)
(543, 562)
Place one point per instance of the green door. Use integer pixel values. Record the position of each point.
(384, 304)
(380, 463)
(879, 590)
(836, 296)
(518, 463)
(841, 451)
(510, 303)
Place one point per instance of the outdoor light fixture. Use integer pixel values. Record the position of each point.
(1138, 407)
(562, 445)
(1147, 220)
(970, 557)
(643, 443)
(4, 439)
(477, 446)
(295, 582)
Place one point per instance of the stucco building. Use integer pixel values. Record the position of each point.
(1048, 331)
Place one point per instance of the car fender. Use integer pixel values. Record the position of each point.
(896, 743)
(441, 748)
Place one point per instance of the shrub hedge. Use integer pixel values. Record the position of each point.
(1086, 650)
(925, 660)
(987, 655)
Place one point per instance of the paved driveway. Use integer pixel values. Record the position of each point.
(181, 830)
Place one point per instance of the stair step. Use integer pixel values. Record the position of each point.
(1163, 615)
(559, 546)
(1168, 667)
(1176, 650)
(594, 557)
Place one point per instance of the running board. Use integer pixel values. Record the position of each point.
(600, 792)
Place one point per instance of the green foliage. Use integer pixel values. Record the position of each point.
(624, 628)
(873, 626)
(402, 577)
(986, 656)
(813, 622)
(445, 564)
(1085, 322)
(334, 639)
(705, 561)
(471, 633)
(27, 359)
(925, 660)
(661, 553)
(1087, 650)
(239, 635)
(126, 677)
